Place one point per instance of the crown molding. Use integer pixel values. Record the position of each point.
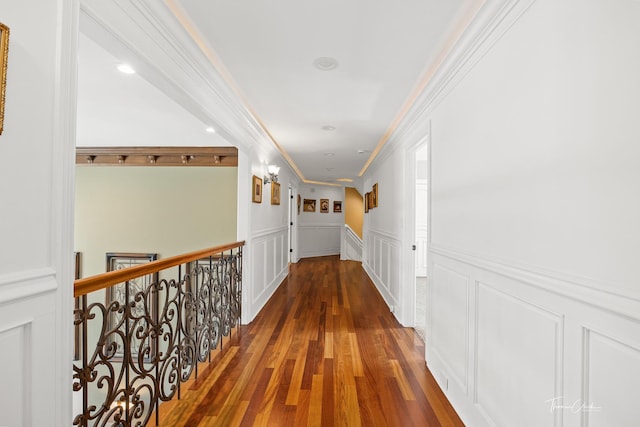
(490, 23)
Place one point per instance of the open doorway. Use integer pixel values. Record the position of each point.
(421, 230)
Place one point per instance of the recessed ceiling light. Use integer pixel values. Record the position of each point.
(126, 68)
(325, 63)
(328, 128)
(361, 151)
(210, 129)
(329, 154)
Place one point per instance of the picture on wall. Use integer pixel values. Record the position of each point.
(367, 196)
(370, 199)
(142, 302)
(275, 193)
(324, 205)
(374, 196)
(4, 56)
(337, 206)
(257, 190)
(309, 205)
(299, 203)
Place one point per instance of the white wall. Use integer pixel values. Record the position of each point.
(534, 209)
(319, 233)
(36, 215)
(267, 256)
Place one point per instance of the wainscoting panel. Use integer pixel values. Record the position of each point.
(609, 363)
(27, 323)
(319, 240)
(517, 359)
(382, 262)
(269, 265)
(514, 346)
(13, 371)
(450, 321)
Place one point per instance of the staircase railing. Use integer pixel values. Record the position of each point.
(350, 244)
(139, 345)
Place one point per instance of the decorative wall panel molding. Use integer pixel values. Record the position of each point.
(565, 349)
(571, 287)
(381, 260)
(269, 265)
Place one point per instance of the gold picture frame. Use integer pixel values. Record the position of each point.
(374, 196)
(256, 190)
(275, 193)
(309, 205)
(4, 56)
(324, 205)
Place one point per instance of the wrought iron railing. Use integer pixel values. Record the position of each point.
(136, 348)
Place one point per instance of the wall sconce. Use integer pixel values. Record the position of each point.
(272, 174)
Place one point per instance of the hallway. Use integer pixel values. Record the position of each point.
(324, 351)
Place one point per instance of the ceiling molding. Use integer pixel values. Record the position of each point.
(489, 24)
(157, 156)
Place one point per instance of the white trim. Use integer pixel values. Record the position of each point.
(63, 201)
(577, 288)
(268, 231)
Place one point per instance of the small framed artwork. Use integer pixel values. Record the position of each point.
(366, 202)
(143, 304)
(324, 205)
(299, 203)
(374, 196)
(309, 205)
(256, 191)
(4, 56)
(275, 193)
(337, 206)
(370, 199)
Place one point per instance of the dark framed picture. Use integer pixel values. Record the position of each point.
(256, 191)
(309, 205)
(143, 303)
(337, 206)
(324, 205)
(275, 193)
(374, 196)
(367, 196)
(4, 56)
(299, 203)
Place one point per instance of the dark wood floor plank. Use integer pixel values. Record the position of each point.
(324, 351)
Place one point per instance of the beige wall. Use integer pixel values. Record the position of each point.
(354, 210)
(164, 210)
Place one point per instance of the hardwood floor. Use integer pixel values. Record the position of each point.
(324, 351)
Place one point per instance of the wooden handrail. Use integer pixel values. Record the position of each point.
(102, 281)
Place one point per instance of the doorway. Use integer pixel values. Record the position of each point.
(421, 228)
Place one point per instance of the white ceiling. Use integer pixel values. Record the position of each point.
(266, 50)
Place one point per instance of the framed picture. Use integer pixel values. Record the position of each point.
(309, 205)
(142, 302)
(374, 196)
(275, 193)
(324, 205)
(366, 202)
(299, 203)
(370, 199)
(256, 190)
(337, 206)
(4, 56)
